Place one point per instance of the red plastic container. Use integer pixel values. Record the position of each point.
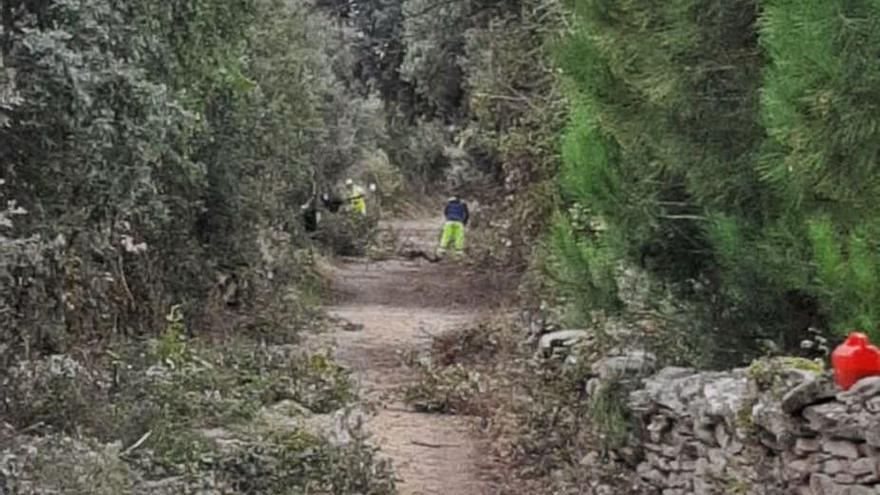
(855, 359)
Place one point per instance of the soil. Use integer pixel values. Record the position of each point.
(392, 308)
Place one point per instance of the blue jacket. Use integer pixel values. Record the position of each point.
(456, 211)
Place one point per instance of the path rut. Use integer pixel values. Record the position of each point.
(401, 305)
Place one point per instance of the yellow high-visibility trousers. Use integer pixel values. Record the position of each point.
(453, 233)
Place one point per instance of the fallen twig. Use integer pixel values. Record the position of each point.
(33, 427)
(137, 444)
(434, 445)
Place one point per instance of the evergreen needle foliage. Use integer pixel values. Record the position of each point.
(731, 149)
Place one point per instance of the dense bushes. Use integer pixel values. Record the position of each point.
(157, 154)
(237, 417)
(730, 148)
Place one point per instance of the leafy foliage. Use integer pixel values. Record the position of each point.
(154, 159)
(208, 415)
(156, 154)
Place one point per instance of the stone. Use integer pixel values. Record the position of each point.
(821, 484)
(653, 447)
(561, 338)
(814, 389)
(864, 389)
(803, 446)
(678, 480)
(725, 395)
(872, 405)
(701, 467)
(861, 490)
(722, 436)
(834, 466)
(800, 466)
(671, 373)
(834, 420)
(841, 448)
(718, 461)
(862, 466)
(671, 451)
(691, 449)
(735, 447)
(779, 426)
(872, 435)
(604, 490)
(659, 462)
(636, 364)
(657, 427)
(873, 476)
(650, 475)
(844, 478)
(591, 459)
(705, 433)
(681, 437)
(702, 486)
(593, 386)
(671, 389)
(868, 479)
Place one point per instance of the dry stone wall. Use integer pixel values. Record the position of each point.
(778, 427)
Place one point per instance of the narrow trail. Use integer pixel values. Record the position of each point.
(400, 306)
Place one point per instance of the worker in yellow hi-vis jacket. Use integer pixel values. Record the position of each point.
(356, 201)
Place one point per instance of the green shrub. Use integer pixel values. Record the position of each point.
(171, 345)
(583, 272)
(161, 151)
(196, 416)
(610, 416)
(59, 464)
(297, 462)
(347, 234)
(846, 276)
(55, 392)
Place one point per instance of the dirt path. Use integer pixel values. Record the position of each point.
(400, 305)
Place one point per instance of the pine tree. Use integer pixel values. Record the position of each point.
(821, 99)
(735, 142)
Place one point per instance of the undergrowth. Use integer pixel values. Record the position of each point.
(346, 234)
(544, 426)
(187, 412)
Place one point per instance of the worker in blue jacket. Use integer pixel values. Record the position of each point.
(457, 215)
